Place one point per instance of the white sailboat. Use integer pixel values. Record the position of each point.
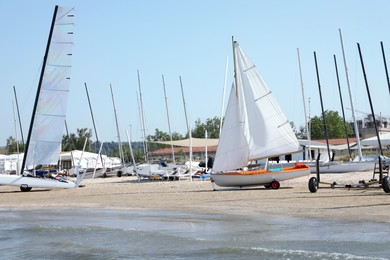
(43, 144)
(254, 128)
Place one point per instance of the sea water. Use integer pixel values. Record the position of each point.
(132, 234)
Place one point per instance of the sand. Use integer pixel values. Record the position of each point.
(292, 199)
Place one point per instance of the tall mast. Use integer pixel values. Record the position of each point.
(369, 99)
(131, 153)
(39, 88)
(304, 106)
(235, 65)
(142, 118)
(223, 96)
(188, 126)
(93, 121)
(342, 105)
(384, 61)
(20, 121)
(140, 123)
(322, 106)
(169, 124)
(351, 100)
(117, 129)
(16, 139)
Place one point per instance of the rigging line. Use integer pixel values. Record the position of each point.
(254, 66)
(58, 66)
(38, 114)
(287, 122)
(257, 99)
(66, 14)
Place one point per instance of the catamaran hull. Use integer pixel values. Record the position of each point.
(257, 177)
(34, 182)
(345, 167)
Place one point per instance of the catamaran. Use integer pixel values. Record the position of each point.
(43, 145)
(254, 128)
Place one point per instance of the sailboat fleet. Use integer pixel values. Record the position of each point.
(254, 128)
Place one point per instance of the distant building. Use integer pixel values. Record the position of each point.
(366, 126)
(182, 154)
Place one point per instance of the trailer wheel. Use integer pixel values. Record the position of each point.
(386, 184)
(275, 185)
(25, 188)
(313, 185)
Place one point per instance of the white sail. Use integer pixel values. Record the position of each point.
(233, 150)
(48, 126)
(254, 125)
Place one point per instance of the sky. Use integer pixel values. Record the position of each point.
(192, 40)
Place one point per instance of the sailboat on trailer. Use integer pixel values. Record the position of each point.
(254, 128)
(44, 139)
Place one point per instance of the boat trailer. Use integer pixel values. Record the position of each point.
(380, 169)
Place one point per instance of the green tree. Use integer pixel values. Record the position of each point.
(76, 142)
(212, 126)
(12, 145)
(334, 124)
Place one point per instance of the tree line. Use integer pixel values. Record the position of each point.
(83, 136)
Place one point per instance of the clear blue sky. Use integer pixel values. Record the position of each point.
(192, 39)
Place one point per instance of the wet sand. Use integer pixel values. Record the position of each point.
(292, 199)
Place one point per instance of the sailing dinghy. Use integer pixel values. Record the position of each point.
(254, 128)
(44, 139)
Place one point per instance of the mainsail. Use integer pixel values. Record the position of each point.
(254, 125)
(47, 123)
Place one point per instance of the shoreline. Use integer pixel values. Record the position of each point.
(292, 199)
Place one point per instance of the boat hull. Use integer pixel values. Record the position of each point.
(35, 182)
(259, 177)
(345, 167)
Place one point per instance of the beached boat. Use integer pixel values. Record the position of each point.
(343, 167)
(254, 128)
(43, 144)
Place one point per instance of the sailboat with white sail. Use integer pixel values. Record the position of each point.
(43, 144)
(254, 128)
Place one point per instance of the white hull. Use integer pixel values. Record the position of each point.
(344, 167)
(238, 180)
(118, 172)
(34, 182)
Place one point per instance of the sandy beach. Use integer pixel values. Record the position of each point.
(292, 199)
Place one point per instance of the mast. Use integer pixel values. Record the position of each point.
(67, 134)
(322, 106)
(351, 100)
(342, 106)
(304, 106)
(142, 118)
(93, 121)
(39, 88)
(235, 66)
(169, 124)
(369, 99)
(20, 122)
(384, 61)
(223, 96)
(117, 129)
(188, 126)
(16, 139)
(132, 154)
